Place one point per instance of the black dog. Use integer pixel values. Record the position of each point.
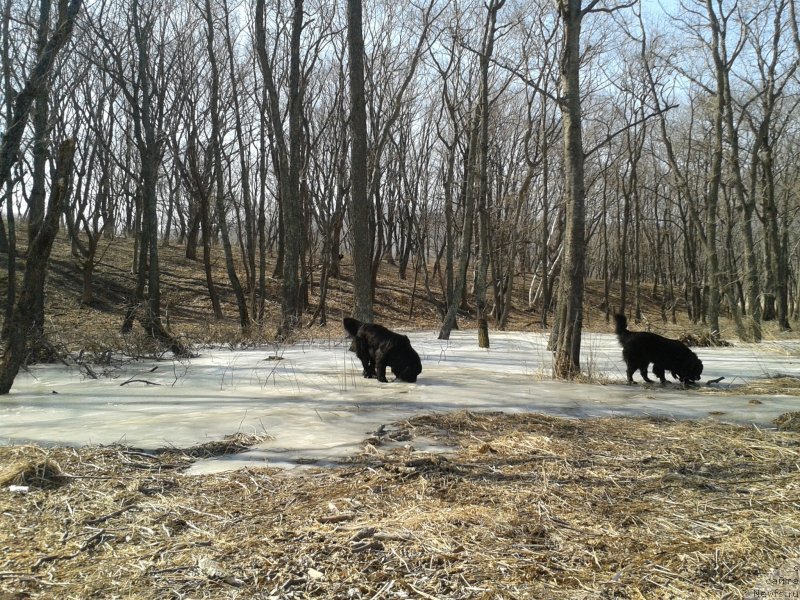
(640, 348)
(378, 348)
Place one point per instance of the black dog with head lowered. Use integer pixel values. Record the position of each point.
(640, 348)
(378, 348)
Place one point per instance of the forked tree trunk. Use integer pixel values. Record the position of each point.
(287, 163)
(218, 179)
(24, 313)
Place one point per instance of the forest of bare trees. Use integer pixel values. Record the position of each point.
(477, 146)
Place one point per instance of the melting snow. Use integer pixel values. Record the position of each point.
(312, 399)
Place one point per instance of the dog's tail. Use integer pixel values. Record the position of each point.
(621, 328)
(351, 326)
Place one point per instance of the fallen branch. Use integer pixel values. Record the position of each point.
(138, 381)
(97, 520)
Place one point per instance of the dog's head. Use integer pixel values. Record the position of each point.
(407, 365)
(691, 370)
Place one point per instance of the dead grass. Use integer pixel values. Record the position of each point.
(523, 506)
(788, 422)
(31, 472)
(781, 385)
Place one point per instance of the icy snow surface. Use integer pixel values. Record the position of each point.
(314, 402)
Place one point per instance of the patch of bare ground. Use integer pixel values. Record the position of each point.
(522, 506)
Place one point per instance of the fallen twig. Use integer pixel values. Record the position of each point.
(138, 381)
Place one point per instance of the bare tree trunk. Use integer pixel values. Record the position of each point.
(521, 195)
(37, 80)
(288, 163)
(545, 272)
(205, 235)
(569, 318)
(470, 199)
(262, 217)
(722, 64)
(193, 231)
(19, 111)
(481, 175)
(146, 106)
(78, 224)
(9, 237)
(708, 219)
(219, 183)
(35, 270)
(359, 201)
(622, 253)
(249, 240)
(449, 224)
(41, 126)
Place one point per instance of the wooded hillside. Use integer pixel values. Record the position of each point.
(217, 140)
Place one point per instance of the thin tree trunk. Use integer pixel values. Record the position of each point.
(249, 240)
(482, 174)
(7, 188)
(288, 163)
(219, 183)
(359, 201)
(41, 127)
(470, 199)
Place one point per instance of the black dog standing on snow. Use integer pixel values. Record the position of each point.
(378, 348)
(640, 348)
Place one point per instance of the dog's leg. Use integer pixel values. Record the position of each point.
(659, 372)
(362, 352)
(630, 365)
(643, 371)
(381, 359)
(630, 371)
(381, 370)
(381, 362)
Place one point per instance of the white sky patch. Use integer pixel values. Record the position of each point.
(316, 405)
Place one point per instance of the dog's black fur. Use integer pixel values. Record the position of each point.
(379, 347)
(640, 348)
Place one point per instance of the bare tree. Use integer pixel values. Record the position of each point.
(359, 169)
(18, 106)
(143, 88)
(18, 110)
(567, 329)
(566, 335)
(219, 182)
(288, 158)
(23, 316)
(766, 115)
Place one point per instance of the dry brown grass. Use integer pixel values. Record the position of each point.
(523, 506)
(783, 385)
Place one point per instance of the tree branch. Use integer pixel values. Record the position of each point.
(611, 136)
